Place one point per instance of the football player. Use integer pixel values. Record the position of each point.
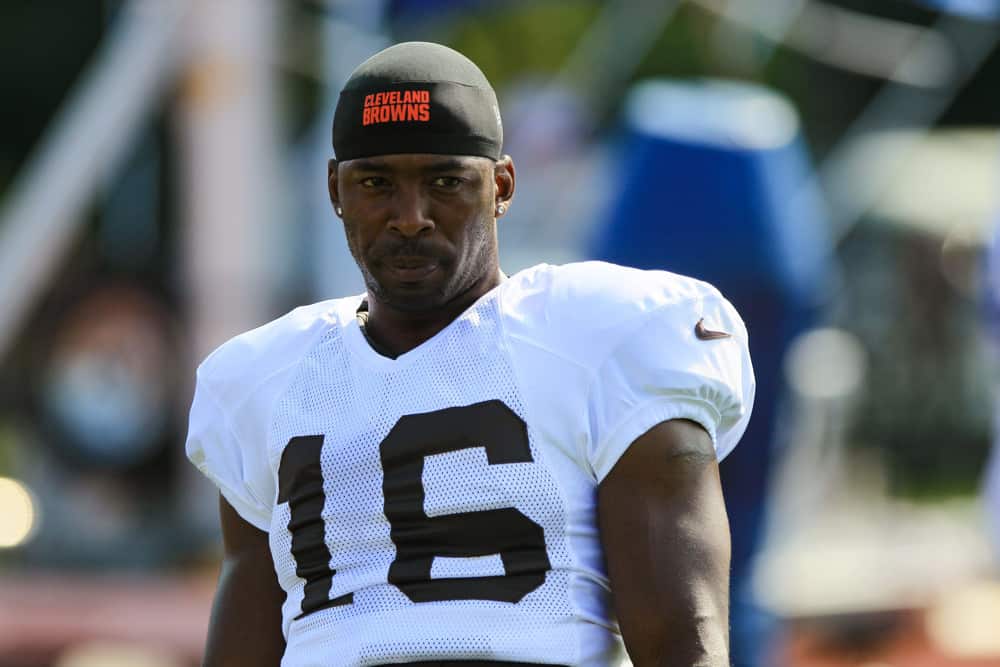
(462, 467)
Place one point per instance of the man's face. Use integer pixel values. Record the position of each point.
(421, 227)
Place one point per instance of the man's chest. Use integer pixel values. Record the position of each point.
(426, 477)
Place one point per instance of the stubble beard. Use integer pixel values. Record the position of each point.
(476, 269)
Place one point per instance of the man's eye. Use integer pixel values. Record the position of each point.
(374, 182)
(446, 182)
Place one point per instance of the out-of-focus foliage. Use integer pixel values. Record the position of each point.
(926, 405)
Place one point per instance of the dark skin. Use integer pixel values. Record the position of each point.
(665, 535)
(245, 628)
(422, 229)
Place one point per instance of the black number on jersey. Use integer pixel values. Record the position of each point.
(300, 484)
(518, 540)
(419, 538)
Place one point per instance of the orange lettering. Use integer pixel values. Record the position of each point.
(396, 106)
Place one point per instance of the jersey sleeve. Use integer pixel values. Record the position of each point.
(238, 468)
(662, 371)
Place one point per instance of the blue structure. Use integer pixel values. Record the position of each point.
(975, 9)
(717, 185)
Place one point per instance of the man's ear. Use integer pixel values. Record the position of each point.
(333, 184)
(504, 176)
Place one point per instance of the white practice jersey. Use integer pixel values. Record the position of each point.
(442, 505)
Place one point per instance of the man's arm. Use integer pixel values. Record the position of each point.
(666, 539)
(245, 630)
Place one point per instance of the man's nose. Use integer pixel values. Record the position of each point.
(411, 217)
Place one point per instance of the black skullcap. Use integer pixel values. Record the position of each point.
(417, 97)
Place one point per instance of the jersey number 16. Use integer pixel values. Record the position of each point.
(418, 538)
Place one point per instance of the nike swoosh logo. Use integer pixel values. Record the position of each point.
(707, 334)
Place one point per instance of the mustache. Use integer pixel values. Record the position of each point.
(393, 248)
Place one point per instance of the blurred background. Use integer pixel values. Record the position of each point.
(832, 165)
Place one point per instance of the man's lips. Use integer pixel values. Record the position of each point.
(412, 269)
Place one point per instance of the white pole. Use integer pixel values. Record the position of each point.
(228, 167)
(229, 171)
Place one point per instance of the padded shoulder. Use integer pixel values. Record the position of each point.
(236, 388)
(586, 309)
(246, 360)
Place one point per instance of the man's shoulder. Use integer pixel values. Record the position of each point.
(614, 286)
(592, 293)
(266, 349)
(587, 308)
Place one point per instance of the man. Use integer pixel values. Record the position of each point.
(459, 467)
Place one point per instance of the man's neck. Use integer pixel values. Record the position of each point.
(393, 332)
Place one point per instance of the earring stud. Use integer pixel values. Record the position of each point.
(500, 209)
(340, 211)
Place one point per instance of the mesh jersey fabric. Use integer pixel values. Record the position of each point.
(442, 505)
